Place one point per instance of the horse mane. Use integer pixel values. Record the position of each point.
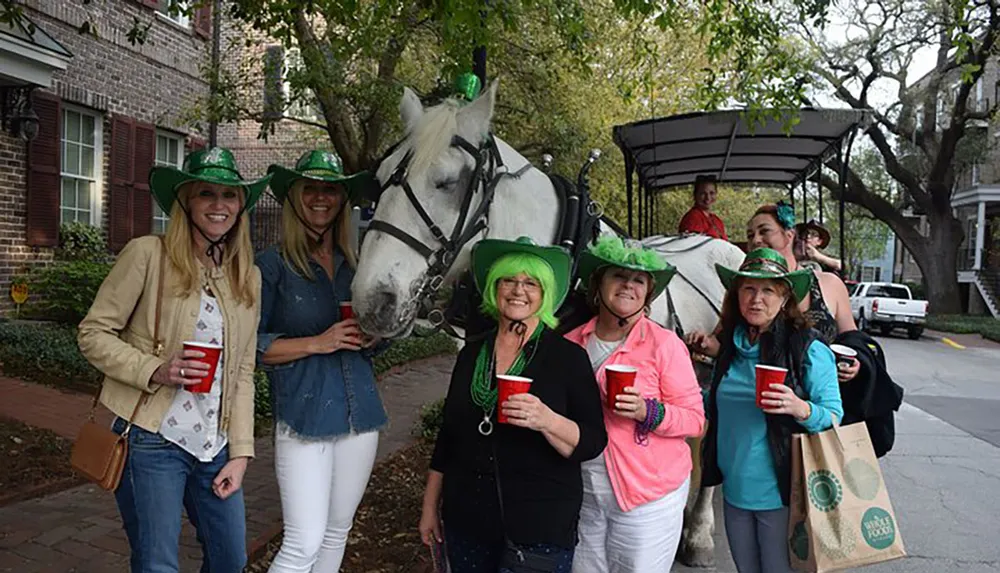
(432, 135)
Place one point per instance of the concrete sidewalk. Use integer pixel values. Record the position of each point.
(79, 531)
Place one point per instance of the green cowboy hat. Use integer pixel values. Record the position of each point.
(316, 165)
(767, 263)
(489, 251)
(216, 165)
(615, 252)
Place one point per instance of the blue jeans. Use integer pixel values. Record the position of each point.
(160, 479)
(758, 540)
(469, 555)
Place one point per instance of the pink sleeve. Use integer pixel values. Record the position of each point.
(679, 392)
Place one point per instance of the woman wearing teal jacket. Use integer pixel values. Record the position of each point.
(747, 447)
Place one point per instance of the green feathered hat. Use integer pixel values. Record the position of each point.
(767, 263)
(612, 251)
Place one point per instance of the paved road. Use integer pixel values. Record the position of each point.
(944, 471)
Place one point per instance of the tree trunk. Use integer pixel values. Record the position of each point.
(938, 263)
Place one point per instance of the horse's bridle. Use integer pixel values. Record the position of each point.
(487, 173)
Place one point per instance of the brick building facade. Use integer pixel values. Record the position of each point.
(116, 110)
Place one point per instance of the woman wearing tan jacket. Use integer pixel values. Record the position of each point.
(189, 440)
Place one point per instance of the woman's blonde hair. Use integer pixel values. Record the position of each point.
(237, 257)
(295, 241)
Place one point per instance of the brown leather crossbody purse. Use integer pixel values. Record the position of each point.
(99, 454)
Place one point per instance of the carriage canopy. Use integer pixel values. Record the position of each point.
(670, 152)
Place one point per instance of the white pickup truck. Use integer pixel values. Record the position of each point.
(888, 306)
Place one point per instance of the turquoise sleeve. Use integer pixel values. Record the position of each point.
(823, 388)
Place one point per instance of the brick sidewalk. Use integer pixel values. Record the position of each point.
(78, 530)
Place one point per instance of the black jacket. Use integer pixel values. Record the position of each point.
(872, 396)
(542, 490)
(780, 346)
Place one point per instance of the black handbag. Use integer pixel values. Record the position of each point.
(518, 559)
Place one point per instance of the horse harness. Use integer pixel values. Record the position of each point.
(487, 174)
(675, 319)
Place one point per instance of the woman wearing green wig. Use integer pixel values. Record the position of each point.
(549, 431)
(634, 495)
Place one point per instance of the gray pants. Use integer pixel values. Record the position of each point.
(758, 540)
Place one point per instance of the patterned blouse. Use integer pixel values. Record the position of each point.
(192, 422)
(819, 314)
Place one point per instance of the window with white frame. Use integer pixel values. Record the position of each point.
(304, 107)
(175, 11)
(871, 274)
(169, 153)
(918, 123)
(82, 148)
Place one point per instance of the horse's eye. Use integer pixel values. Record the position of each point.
(445, 185)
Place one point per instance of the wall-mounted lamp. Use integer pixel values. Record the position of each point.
(16, 114)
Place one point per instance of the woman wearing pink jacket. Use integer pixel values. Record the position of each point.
(634, 494)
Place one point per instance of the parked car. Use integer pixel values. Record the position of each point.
(888, 306)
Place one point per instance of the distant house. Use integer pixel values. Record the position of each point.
(976, 197)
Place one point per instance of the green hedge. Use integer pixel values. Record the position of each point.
(46, 353)
(985, 326)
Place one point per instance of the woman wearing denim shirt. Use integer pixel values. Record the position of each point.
(319, 365)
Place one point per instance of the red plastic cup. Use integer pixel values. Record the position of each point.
(508, 386)
(346, 310)
(618, 377)
(212, 354)
(767, 375)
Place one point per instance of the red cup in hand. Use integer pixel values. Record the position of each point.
(618, 377)
(508, 386)
(346, 310)
(767, 375)
(212, 354)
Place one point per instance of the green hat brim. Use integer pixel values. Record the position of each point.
(489, 251)
(591, 263)
(283, 177)
(164, 182)
(799, 281)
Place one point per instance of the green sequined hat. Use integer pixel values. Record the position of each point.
(319, 166)
(613, 251)
(489, 251)
(466, 87)
(216, 165)
(767, 263)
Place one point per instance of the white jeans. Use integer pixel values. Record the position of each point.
(321, 485)
(643, 540)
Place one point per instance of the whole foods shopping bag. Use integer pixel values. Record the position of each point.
(840, 514)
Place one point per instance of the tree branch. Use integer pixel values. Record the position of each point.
(340, 124)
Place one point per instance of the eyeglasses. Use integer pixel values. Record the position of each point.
(529, 285)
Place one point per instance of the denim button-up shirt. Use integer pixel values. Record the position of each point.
(321, 395)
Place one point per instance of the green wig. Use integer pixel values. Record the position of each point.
(512, 265)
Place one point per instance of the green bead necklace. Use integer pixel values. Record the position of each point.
(484, 392)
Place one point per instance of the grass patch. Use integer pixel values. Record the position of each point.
(985, 326)
(414, 348)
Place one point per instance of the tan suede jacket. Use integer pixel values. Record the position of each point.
(117, 335)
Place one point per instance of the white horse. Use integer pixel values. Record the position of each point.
(406, 252)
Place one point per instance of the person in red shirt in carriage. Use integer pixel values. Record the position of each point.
(700, 218)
